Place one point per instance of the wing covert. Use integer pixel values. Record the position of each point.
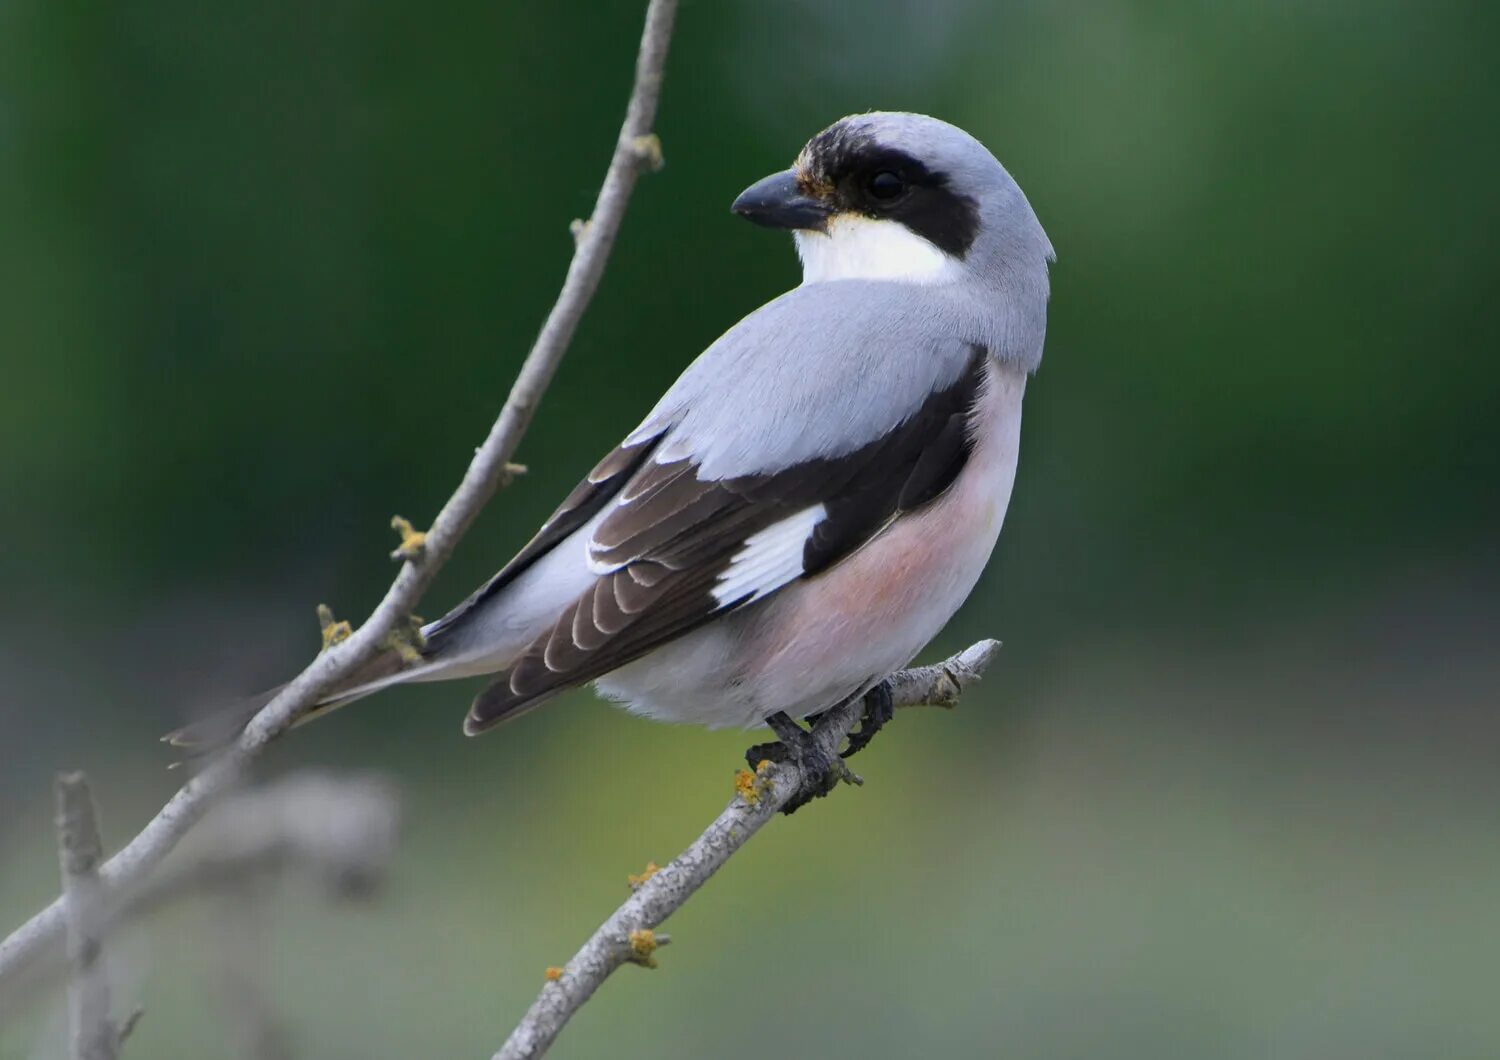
(588, 498)
(675, 550)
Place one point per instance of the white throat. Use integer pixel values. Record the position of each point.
(862, 248)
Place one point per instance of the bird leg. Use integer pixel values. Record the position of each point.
(880, 707)
(815, 751)
(789, 734)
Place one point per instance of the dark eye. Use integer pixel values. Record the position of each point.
(885, 185)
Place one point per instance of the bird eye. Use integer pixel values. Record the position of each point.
(886, 185)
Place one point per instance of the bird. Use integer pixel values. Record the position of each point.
(816, 495)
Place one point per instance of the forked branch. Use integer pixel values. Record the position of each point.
(636, 151)
(91, 1028)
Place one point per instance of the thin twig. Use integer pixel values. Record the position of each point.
(636, 150)
(941, 684)
(628, 931)
(336, 831)
(92, 1032)
(339, 831)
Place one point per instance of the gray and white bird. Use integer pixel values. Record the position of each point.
(819, 491)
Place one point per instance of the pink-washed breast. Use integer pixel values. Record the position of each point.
(873, 612)
(822, 639)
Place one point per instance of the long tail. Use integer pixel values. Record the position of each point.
(221, 727)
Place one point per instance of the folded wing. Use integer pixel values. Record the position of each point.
(675, 548)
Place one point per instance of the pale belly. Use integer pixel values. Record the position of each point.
(822, 639)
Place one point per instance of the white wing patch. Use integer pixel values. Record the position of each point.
(769, 558)
(862, 248)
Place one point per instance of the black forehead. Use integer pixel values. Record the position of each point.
(837, 160)
(843, 150)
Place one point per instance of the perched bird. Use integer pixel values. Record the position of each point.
(818, 492)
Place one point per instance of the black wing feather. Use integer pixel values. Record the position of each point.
(677, 534)
(596, 490)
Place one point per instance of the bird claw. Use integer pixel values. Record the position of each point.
(880, 707)
(821, 770)
(766, 752)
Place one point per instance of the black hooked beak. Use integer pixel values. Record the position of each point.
(778, 202)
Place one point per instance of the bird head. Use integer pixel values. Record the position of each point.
(896, 196)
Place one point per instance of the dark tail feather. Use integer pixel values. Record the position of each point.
(218, 729)
(221, 727)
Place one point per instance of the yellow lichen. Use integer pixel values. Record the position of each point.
(645, 874)
(552, 974)
(334, 632)
(407, 640)
(642, 945)
(413, 541)
(751, 786)
(746, 787)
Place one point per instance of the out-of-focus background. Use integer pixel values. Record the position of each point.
(266, 273)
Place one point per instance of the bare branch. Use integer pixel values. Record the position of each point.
(628, 934)
(91, 1030)
(635, 151)
(339, 832)
(941, 684)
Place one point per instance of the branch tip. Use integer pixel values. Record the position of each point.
(943, 684)
(80, 851)
(79, 844)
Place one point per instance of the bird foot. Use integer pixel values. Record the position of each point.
(880, 707)
(821, 768)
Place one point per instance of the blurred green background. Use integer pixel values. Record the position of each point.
(266, 273)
